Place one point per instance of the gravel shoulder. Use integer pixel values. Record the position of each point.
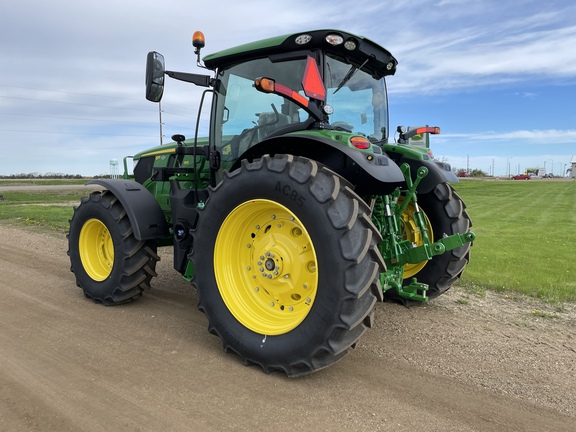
(464, 362)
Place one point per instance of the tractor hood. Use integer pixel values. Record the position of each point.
(168, 148)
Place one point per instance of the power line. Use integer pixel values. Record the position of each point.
(92, 105)
(86, 94)
(74, 103)
(75, 133)
(76, 118)
(71, 93)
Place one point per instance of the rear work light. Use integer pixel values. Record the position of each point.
(303, 39)
(334, 39)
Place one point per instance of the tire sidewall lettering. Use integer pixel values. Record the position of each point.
(290, 192)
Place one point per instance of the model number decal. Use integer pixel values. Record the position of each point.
(290, 193)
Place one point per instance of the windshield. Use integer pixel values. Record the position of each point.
(360, 105)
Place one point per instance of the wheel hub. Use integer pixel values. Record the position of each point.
(270, 264)
(96, 249)
(265, 267)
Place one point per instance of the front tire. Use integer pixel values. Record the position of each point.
(286, 264)
(110, 264)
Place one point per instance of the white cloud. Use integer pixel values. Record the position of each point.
(72, 86)
(541, 137)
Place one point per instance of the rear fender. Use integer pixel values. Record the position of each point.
(370, 173)
(144, 212)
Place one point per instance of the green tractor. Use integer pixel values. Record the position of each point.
(294, 216)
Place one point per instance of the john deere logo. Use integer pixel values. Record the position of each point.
(417, 137)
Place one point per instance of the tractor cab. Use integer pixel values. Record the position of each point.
(325, 83)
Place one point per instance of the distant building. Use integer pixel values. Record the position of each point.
(573, 167)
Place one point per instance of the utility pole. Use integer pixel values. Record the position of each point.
(160, 115)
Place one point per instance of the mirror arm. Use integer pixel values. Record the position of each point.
(199, 80)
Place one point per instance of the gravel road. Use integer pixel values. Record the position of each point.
(461, 363)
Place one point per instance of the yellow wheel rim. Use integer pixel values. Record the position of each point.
(411, 232)
(96, 250)
(265, 267)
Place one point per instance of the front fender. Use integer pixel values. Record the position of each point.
(144, 212)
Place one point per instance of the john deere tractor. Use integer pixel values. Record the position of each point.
(297, 212)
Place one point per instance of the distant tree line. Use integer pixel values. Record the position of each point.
(473, 173)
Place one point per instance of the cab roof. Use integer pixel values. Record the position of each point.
(381, 59)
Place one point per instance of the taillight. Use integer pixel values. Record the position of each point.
(435, 130)
(360, 142)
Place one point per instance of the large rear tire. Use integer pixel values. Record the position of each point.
(110, 264)
(445, 214)
(286, 264)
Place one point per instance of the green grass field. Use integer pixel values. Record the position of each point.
(526, 237)
(42, 209)
(526, 232)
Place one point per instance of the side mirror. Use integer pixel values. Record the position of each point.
(154, 76)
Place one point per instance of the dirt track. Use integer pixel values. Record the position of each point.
(461, 363)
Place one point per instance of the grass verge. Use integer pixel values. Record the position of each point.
(526, 235)
(44, 210)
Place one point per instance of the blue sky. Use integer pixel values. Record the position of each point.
(498, 77)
